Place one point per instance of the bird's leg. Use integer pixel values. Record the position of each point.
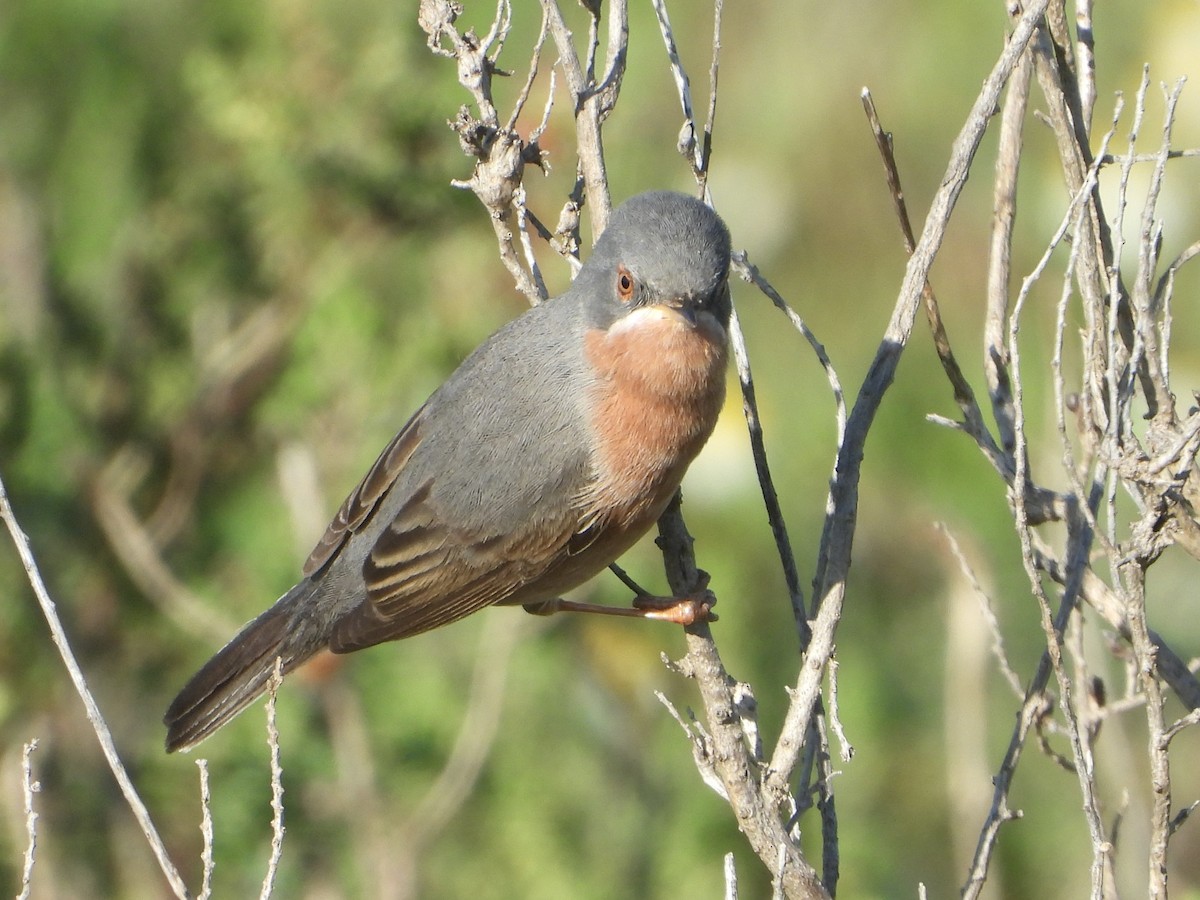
(698, 607)
(664, 609)
(698, 603)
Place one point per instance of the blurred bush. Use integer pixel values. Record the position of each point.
(231, 265)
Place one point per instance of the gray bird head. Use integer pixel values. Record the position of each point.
(660, 248)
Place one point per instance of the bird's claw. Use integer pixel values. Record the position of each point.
(687, 611)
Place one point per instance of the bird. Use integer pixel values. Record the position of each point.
(546, 455)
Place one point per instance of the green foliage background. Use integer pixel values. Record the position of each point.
(183, 186)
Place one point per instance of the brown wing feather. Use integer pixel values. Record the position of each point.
(425, 609)
(421, 575)
(363, 500)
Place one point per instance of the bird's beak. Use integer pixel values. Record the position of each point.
(686, 307)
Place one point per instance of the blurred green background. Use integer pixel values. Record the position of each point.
(231, 264)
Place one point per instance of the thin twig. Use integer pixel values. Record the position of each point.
(1183, 815)
(103, 734)
(1080, 535)
(593, 38)
(1000, 812)
(831, 865)
(690, 148)
(591, 102)
(1169, 734)
(1064, 113)
(737, 769)
(527, 87)
(748, 272)
(1117, 350)
(758, 449)
(702, 749)
(277, 826)
(206, 831)
(731, 882)
(1108, 159)
(526, 245)
(713, 73)
(964, 396)
(536, 134)
(1163, 293)
(1073, 220)
(1035, 705)
(1159, 394)
(845, 748)
(837, 539)
(29, 786)
(1160, 761)
(1004, 202)
(986, 608)
(627, 580)
(1085, 50)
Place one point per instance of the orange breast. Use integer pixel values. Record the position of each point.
(660, 384)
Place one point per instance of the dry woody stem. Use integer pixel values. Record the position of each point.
(1094, 505)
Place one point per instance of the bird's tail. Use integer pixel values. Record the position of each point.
(241, 671)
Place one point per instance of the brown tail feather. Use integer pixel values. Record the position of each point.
(240, 672)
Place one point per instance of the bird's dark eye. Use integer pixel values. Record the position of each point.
(625, 284)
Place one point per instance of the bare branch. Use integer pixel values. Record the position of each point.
(1080, 534)
(702, 747)
(1085, 51)
(103, 734)
(748, 272)
(1100, 597)
(986, 609)
(831, 864)
(1159, 398)
(1004, 202)
(783, 544)
(523, 97)
(964, 396)
(837, 538)
(29, 786)
(526, 245)
(739, 772)
(1108, 159)
(713, 73)
(1169, 734)
(1065, 116)
(277, 827)
(846, 751)
(500, 153)
(1167, 279)
(591, 103)
(206, 831)
(688, 146)
(1183, 815)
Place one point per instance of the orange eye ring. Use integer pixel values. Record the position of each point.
(625, 284)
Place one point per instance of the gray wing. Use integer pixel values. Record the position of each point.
(476, 497)
(357, 508)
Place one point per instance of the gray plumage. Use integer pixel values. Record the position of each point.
(479, 498)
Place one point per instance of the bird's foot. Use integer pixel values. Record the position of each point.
(697, 607)
(682, 612)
